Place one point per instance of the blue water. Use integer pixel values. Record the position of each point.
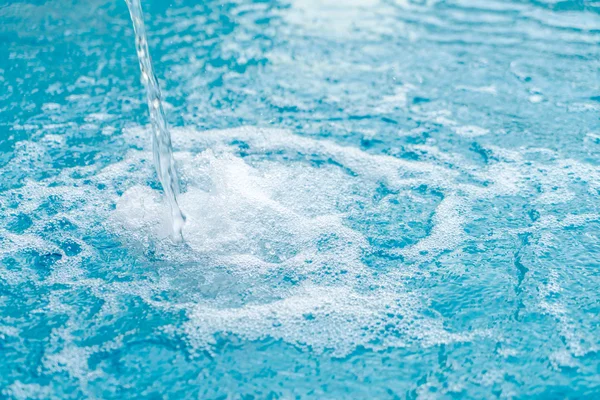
(384, 199)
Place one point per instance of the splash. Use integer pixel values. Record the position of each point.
(161, 138)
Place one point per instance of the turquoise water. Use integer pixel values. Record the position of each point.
(384, 199)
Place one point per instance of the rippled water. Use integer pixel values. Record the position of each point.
(384, 199)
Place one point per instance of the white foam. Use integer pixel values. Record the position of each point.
(256, 215)
(278, 230)
(447, 231)
(470, 131)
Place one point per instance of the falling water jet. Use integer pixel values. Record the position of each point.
(161, 138)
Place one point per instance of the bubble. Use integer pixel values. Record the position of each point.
(470, 131)
(302, 240)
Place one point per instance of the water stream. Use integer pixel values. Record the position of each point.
(161, 138)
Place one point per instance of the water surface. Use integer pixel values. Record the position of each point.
(384, 199)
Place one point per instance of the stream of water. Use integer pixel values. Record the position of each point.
(161, 138)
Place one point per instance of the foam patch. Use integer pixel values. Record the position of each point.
(287, 237)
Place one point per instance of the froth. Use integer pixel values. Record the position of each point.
(281, 232)
(276, 219)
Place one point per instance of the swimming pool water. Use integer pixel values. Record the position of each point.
(384, 199)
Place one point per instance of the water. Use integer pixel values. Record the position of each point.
(161, 138)
(383, 199)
